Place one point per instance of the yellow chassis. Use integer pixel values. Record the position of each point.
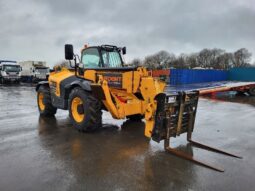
(122, 101)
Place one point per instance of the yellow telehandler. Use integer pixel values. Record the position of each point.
(100, 81)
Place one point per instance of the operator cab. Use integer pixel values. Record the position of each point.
(105, 56)
(9, 66)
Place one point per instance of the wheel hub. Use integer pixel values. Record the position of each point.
(77, 109)
(41, 101)
(80, 109)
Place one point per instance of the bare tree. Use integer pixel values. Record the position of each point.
(206, 58)
(136, 62)
(242, 58)
(170, 61)
(181, 61)
(158, 60)
(209, 58)
(192, 60)
(214, 58)
(224, 61)
(63, 64)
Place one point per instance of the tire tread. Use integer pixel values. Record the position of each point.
(93, 117)
(49, 110)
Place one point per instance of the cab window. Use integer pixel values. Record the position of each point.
(90, 58)
(111, 59)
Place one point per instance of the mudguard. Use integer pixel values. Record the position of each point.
(41, 83)
(84, 84)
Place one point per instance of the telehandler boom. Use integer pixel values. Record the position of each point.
(99, 81)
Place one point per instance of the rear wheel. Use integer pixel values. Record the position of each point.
(45, 106)
(84, 110)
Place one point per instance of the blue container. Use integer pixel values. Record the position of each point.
(241, 74)
(189, 76)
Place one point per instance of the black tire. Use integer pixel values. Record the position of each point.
(91, 108)
(252, 91)
(136, 117)
(49, 109)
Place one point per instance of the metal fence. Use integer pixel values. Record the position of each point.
(191, 76)
(241, 74)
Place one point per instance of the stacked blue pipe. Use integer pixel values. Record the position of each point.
(191, 76)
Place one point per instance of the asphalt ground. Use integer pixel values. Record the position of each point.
(39, 153)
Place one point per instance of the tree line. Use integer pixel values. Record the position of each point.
(207, 58)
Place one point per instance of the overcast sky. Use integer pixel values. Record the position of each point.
(38, 29)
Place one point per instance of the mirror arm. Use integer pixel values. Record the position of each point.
(77, 56)
(70, 63)
(75, 63)
(75, 66)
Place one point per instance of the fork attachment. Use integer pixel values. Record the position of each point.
(176, 115)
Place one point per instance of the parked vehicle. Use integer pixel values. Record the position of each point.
(10, 71)
(101, 81)
(34, 71)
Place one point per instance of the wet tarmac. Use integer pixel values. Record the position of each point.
(48, 154)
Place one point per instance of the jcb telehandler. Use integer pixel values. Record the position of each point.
(100, 81)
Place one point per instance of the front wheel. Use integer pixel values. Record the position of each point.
(45, 106)
(84, 110)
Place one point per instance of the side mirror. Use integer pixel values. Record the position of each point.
(69, 52)
(20, 68)
(124, 50)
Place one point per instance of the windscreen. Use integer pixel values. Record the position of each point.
(90, 58)
(11, 68)
(111, 59)
(42, 70)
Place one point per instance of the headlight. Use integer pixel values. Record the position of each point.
(4, 73)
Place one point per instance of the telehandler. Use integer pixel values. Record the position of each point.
(100, 81)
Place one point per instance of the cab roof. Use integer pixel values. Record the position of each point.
(11, 61)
